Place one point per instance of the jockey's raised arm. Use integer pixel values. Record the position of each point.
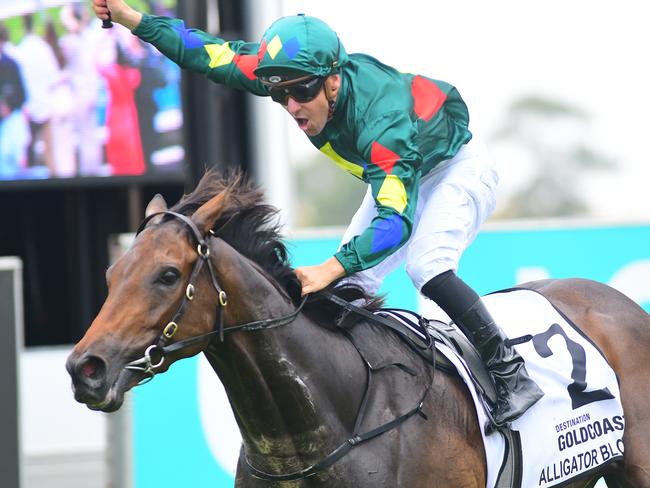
(226, 62)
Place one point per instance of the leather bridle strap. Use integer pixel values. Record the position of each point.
(203, 250)
(248, 326)
(155, 354)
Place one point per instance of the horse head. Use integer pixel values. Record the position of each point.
(149, 288)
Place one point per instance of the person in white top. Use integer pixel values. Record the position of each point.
(40, 73)
(79, 46)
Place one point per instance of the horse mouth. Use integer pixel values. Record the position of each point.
(114, 397)
(110, 404)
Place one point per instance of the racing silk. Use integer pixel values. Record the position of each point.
(388, 128)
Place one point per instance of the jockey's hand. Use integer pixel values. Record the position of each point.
(120, 12)
(315, 278)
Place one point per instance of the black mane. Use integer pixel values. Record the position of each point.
(252, 228)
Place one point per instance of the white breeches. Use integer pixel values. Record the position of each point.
(455, 198)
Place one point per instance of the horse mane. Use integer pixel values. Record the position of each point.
(252, 227)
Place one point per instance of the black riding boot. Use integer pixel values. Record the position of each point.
(516, 391)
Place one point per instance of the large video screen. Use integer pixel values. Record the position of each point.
(80, 103)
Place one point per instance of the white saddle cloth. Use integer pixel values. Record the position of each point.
(578, 425)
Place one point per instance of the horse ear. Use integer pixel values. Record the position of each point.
(156, 205)
(208, 213)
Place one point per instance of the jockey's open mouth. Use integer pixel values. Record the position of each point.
(302, 122)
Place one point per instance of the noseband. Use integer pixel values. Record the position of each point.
(154, 355)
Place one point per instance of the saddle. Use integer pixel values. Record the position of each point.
(450, 335)
(422, 335)
(418, 332)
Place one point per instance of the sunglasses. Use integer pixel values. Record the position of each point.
(302, 91)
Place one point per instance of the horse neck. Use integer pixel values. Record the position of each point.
(280, 384)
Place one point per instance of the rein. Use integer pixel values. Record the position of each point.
(155, 354)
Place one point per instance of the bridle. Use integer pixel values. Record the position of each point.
(154, 355)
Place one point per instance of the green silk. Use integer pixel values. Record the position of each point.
(388, 128)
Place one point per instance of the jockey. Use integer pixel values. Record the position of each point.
(430, 185)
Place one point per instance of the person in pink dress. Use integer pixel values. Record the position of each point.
(124, 144)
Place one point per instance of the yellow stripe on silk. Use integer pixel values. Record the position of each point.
(220, 54)
(393, 194)
(355, 169)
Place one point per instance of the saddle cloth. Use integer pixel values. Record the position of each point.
(578, 425)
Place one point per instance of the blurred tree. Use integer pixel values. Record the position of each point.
(327, 195)
(553, 138)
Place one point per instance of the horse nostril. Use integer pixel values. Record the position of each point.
(92, 368)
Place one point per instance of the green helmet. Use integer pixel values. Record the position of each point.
(297, 46)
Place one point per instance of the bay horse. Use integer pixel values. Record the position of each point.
(295, 383)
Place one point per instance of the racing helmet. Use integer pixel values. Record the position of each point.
(297, 46)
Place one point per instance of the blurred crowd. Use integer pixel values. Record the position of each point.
(80, 100)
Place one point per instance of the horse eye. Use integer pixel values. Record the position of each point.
(169, 277)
